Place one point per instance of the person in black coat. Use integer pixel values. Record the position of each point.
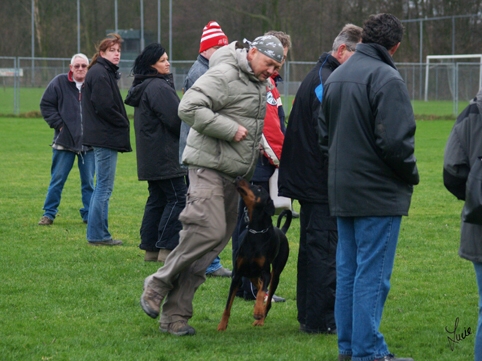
(303, 176)
(60, 107)
(157, 127)
(461, 175)
(106, 129)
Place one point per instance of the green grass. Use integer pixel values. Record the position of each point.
(29, 99)
(61, 299)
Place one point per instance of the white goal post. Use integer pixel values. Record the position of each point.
(462, 56)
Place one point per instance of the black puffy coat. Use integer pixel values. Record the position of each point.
(368, 117)
(303, 169)
(157, 127)
(103, 113)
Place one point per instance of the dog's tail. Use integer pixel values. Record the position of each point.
(286, 213)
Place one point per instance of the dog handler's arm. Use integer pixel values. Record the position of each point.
(201, 104)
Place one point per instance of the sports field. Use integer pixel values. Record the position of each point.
(29, 99)
(64, 300)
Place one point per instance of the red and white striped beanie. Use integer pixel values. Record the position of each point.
(212, 36)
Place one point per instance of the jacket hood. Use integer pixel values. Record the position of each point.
(235, 55)
(140, 84)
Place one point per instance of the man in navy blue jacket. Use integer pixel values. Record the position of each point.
(61, 109)
(303, 176)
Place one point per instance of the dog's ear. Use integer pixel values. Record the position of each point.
(269, 208)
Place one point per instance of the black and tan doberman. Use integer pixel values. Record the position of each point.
(262, 253)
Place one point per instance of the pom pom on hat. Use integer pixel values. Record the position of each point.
(213, 35)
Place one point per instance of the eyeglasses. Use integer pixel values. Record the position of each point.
(77, 66)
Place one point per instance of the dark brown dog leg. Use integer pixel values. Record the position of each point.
(259, 309)
(223, 325)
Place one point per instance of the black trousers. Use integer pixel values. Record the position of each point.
(316, 280)
(160, 225)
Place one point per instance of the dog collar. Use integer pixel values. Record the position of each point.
(257, 232)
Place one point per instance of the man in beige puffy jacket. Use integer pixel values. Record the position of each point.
(225, 109)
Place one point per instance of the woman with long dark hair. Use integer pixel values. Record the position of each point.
(106, 129)
(157, 128)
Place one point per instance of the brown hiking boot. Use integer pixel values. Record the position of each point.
(151, 256)
(151, 300)
(163, 253)
(178, 328)
(45, 221)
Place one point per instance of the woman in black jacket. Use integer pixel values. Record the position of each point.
(157, 127)
(106, 129)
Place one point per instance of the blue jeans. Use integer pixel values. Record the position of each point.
(214, 266)
(364, 263)
(62, 163)
(161, 225)
(478, 336)
(105, 166)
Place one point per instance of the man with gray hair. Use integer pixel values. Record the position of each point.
(60, 107)
(303, 176)
(225, 109)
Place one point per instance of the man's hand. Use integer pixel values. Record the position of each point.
(241, 134)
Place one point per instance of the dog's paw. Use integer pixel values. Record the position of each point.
(222, 326)
(259, 322)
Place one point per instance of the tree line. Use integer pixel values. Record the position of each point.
(448, 27)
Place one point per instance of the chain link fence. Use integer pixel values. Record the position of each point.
(454, 81)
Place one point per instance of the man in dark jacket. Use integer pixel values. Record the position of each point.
(60, 107)
(461, 174)
(303, 176)
(368, 125)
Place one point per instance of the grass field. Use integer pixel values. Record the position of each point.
(64, 300)
(29, 99)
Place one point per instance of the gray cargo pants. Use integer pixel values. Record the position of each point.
(208, 221)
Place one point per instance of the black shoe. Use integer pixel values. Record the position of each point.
(328, 331)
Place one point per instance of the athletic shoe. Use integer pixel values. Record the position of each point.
(221, 272)
(178, 328)
(391, 357)
(45, 221)
(110, 242)
(151, 300)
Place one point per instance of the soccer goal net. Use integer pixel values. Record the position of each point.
(453, 77)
